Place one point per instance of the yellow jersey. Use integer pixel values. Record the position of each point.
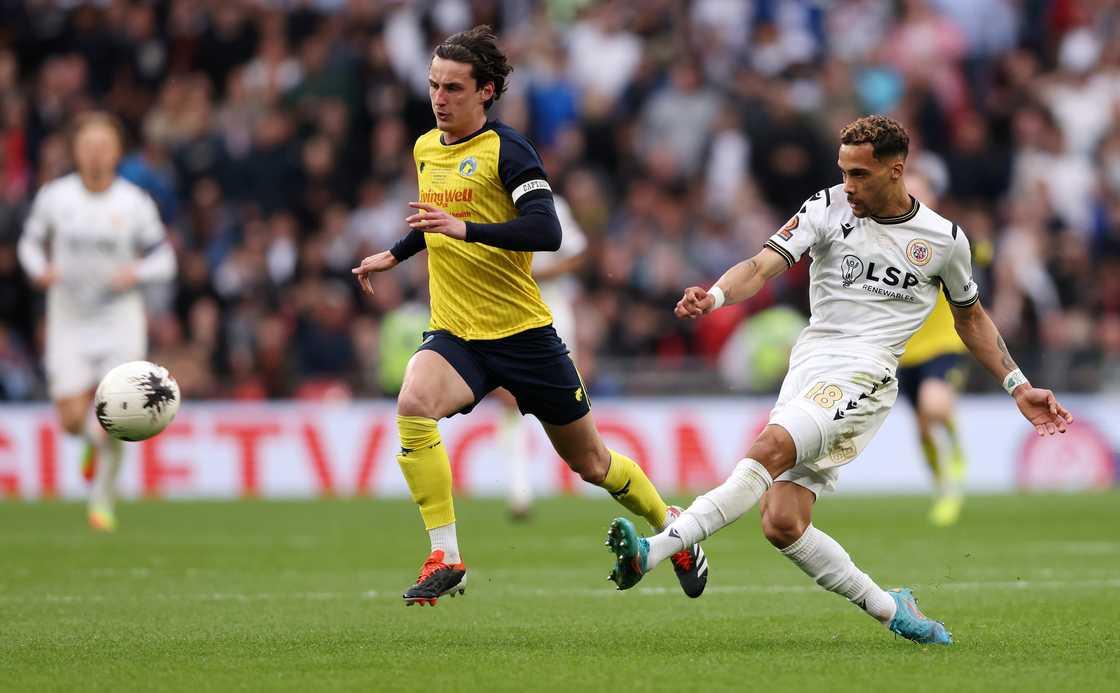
(480, 291)
(935, 337)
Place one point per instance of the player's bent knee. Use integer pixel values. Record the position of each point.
(935, 401)
(942, 412)
(773, 453)
(592, 465)
(593, 471)
(592, 476)
(782, 529)
(72, 424)
(417, 403)
(71, 418)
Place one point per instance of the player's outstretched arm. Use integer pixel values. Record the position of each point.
(980, 335)
(737, 284)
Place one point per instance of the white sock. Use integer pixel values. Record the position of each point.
(444, 539)
(513, 437)
(103, 492)
(830, 566)
(712, 511)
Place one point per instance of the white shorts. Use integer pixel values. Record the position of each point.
(832, 406)
(75, 363)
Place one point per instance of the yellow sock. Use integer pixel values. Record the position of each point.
(957, 453)
(427, 470)
(933, 458)
(629, 485)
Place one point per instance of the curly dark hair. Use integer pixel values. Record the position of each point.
(886, 136)
(478, 47)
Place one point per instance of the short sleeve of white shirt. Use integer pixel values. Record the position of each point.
(956, 273)
(802, 230)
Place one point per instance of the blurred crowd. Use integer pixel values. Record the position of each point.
(276, 135)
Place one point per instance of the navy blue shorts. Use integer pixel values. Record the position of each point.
(533, 365)
(947, 367)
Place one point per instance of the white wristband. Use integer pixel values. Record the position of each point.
(1013, 380)
(717, 293)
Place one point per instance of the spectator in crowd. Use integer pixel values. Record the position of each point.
(275, 139)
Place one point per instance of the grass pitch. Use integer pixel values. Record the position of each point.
(305, 596)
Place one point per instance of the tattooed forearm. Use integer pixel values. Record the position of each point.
(1007, 361)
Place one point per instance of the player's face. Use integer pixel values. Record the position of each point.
(457, 100)
(867, 181)
(97, 149)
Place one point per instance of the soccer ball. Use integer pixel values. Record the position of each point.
(136, 400)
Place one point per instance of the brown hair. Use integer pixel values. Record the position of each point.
(886, 136)
(478, 48)
(88, 118)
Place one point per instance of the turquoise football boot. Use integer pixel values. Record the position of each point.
(632, 552)
(912, 624)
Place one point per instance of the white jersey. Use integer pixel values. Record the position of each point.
(89, 237)
(873, 281)
(560, 291)
(572, 243)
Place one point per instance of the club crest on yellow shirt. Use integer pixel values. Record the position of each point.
(468, 166)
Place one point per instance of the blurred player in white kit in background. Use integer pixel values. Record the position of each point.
(91, 241)
(559, 289)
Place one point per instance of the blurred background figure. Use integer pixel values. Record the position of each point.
(559, 290)
(930, 372)
(92, 241)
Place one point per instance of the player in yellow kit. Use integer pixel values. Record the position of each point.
(930, 372)
(485, 206)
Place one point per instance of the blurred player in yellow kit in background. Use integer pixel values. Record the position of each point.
(930, 372)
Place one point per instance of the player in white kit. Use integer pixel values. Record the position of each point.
(879, 260)
(553, 274)
(91, 240)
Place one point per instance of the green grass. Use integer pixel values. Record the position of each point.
(305, 596)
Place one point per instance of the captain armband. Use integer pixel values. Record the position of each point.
(528, 187)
